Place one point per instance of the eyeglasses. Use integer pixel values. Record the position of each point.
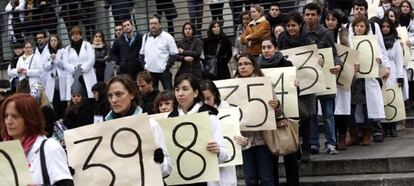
(244, 64)
(118, 29)
(40, 37)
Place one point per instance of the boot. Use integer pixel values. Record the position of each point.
(366, 136)
(354, 137)
(342, 142)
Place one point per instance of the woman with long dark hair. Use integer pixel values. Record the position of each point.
(218, 41)
(101, 54)
(189, 50)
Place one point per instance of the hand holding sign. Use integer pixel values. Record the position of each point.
(13, 164)
(100, 156)
(309, 74)
(368, 48)
(187, 145)
(251, 95)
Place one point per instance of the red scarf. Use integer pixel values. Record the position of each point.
(27, 142)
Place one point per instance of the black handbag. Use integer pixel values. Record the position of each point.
(210, 64)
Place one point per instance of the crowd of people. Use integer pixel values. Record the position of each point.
(88, 82)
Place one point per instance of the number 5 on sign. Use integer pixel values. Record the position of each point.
(309, 72)
(13, 164)
(251, 95)
(230, 126)
(116, 152)
(187, 138)
(283, 81)
(368, 48)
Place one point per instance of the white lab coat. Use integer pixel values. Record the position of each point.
(374, 99)
(343, 97)
(8, 9)
(51, 70)
(228, 175)
(34, 72)
(86, 59)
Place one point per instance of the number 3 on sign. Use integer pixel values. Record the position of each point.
(100, 156)
(251, 95)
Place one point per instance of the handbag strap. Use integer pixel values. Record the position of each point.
(30, 64)
(45, 174)
(218, 48)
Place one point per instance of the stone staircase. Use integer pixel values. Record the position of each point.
(381, 164)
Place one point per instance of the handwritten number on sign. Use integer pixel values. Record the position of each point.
(7, 156)
(372, 56)
(282, 92)
(259, 100)
(234, 89)
(230, 141)
(303, 67)
(188, 149)
(390, 104)
(138, 150)
(344, 60)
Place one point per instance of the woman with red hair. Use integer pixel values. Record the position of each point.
(21, 119)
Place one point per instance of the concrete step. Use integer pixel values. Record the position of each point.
(401, 179)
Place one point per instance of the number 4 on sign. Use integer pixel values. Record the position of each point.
(13, 164)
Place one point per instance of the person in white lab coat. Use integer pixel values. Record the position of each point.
(79, 54)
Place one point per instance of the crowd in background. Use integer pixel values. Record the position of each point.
(85, 82)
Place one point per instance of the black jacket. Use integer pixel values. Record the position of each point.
(127, 57)
(148, 101)
(78, 116)
(100, 62)
(223, 57)
(192, 47)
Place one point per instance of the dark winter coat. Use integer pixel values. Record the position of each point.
(100, 61)
(78, 116)
(223, 57)
(148, 101)
(127, 57)
(192, 47)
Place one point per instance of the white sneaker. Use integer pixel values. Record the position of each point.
(330, 149)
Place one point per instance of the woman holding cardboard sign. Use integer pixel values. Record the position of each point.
(124, 99)
(257, 158)
(22, 119)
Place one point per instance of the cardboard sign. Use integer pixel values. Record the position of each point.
(283, 82)
(115, 152)
(251, 95)
(328, 63)
(187, 138)
(372, 7)
(230, 127)
(368, 48)
(403, 34)
(13, 164)
(393, 104)
(348, 57)
(309, 72)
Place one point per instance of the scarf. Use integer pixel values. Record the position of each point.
(41, 47)
(97, 45)
(52, 50)
(76, 45)
(27, 142)
(289, 42)
(405, 19)
(273, 61)
(389, 40)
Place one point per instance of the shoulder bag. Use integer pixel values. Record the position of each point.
(210, 63)
(284, 140)
(23, 85)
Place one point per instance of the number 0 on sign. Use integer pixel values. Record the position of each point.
(368, 48)
(251, 95)
(13, 164)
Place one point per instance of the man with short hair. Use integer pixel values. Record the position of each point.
(274, 16)
(148, 92)
(125, 50)
(323, 38)
(158, 53)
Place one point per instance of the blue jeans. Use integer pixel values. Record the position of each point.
(328, 107)
(258, 166)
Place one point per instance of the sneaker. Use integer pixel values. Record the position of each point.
(330, 149)
(314, 149)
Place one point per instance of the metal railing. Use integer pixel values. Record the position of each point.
(98, 15)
